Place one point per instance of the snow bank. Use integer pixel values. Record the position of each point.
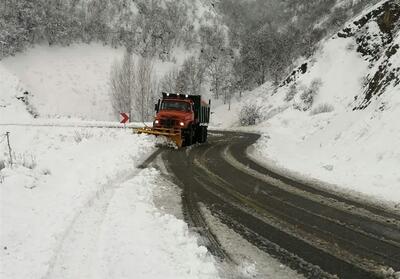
(56, 174)
(148, 244)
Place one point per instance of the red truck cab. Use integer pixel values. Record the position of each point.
(188, 114)
(174, 113)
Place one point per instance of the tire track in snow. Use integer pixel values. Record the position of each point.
(76, 250)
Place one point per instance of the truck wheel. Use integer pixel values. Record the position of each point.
(204, 134)
(199, 134)
(188, 136)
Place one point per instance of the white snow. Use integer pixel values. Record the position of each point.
(74, 205)
(69, 82)
(129, 250)
(338, 85)
(10, 89)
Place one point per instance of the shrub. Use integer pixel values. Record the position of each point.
(322, 108)
(26, 160)
(82, 134)
(249, 114)
(46, 171)
(308, 95)
(291, 92)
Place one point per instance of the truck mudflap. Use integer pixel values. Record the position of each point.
(172, 134)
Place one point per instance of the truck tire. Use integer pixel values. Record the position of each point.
(198, 136)
(202, 134)
(188, 136)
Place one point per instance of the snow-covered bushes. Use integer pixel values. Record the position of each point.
(25, 98)
(12, 39)
(26, 160)
(291, 92)
(151, 28)
(249, 114)
(82, 134)
(308, 95)
(322, 108)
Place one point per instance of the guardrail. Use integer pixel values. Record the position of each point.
(77, 124)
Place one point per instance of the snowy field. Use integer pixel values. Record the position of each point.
(75, 205)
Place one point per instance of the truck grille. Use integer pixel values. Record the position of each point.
(168, 123)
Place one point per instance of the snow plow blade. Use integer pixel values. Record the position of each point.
(173, 134)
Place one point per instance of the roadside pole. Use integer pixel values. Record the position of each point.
(9, 148)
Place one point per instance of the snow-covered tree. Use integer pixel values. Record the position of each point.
(191, 77)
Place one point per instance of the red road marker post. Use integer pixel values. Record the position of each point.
(124, 118)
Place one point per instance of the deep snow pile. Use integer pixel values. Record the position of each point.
(74, 205)
(336, 117)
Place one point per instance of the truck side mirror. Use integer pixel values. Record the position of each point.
(157, 106)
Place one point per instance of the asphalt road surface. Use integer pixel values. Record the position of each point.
(314, 231)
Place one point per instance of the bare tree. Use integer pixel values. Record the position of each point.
(191, 77)
(144, 94)
(133, 87)
(169, 82)
(219, 74)
(123, 84)
(228, 89)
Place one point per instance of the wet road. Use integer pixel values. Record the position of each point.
(314, 231)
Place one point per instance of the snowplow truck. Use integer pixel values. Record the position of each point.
(181, 118)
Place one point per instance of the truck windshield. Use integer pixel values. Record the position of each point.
(175, 105)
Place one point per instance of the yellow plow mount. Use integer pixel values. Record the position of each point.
(171, 133)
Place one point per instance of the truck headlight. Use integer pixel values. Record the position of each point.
(156, 121)
(182, 124)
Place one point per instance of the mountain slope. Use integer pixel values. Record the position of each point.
(335, 117)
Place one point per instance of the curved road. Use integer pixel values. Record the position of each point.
(316, 232)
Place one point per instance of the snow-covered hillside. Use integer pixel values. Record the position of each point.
(11, 88)
(71, 82)
(335, 117)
